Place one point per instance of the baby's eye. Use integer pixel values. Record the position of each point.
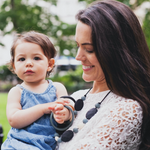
(36, 58)
(21, 59)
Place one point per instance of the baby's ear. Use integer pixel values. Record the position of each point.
(13, 66)
(51, 63)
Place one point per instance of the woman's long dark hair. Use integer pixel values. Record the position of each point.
(123, 54)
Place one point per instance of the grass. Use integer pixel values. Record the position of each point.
(3, 118)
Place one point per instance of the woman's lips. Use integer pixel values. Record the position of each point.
(86, 68)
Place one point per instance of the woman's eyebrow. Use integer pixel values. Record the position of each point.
(86, 44)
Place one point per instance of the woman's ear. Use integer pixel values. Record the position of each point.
(51, 63)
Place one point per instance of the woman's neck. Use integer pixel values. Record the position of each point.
(99, 87)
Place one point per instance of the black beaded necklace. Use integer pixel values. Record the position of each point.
(68, 135)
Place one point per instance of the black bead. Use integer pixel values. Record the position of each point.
(91, 113)
(67, 136)
(78, 105)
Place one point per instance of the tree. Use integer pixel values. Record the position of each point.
(146, 28)
(23, 16)
(7, 75)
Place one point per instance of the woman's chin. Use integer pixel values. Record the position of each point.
(86, 78)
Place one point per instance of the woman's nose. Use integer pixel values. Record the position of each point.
(80, 55)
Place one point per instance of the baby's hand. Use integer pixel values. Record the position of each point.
(50, 107)
(61, 114)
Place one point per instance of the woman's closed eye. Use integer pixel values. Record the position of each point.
(89, 51)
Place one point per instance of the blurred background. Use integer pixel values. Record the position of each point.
(56, 19)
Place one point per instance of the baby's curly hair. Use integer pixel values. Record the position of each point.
(37, 38)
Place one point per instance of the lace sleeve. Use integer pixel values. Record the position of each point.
(118, 130)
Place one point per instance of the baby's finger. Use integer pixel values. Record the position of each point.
(62, 101)
(59, 118)
(51, 108)
(59, 113)
(60, 121)
(59, 107)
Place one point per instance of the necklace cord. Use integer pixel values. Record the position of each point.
(68, 107)
(68, 135)
(88, 91)
(104, 97)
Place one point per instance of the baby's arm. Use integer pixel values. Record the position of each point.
(18, 117)
(61, 113)
(60, 89)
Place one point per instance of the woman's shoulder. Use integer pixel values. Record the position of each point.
(122, 104)
(120, 99)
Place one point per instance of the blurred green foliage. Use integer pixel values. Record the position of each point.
(6, 74)
(146, 27)
(3, 118)
(7, 79)
(22, 16)
(72, 80)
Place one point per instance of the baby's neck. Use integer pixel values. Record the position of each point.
(36, 87)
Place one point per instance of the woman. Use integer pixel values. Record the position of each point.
(115, 56)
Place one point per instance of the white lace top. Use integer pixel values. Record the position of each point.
(116, 125)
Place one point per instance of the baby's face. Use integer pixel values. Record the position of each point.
(30, 63)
